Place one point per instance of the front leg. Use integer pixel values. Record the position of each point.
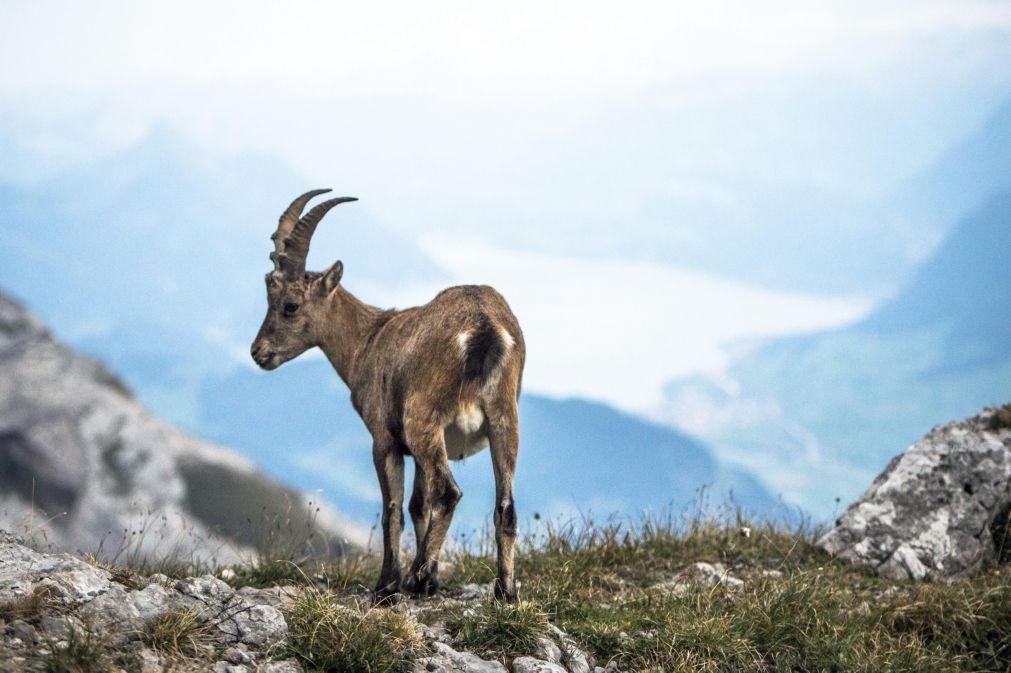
(389, 464)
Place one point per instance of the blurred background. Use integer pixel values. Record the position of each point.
(756, 247)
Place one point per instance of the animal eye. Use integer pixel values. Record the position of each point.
(290, 308)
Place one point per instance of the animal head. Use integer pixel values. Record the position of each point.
(296, 299)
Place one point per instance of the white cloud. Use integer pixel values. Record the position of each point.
(458, 48)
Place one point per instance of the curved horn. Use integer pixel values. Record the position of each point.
(287, 222)
(296, 245)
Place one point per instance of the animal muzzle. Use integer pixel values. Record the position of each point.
(264, 357)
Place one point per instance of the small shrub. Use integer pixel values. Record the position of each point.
(328, 636)
(1001, 418)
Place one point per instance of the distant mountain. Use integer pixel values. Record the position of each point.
(963, 289)
(152, 260)
(966, 175)
(824, 412)
(84, 467)
(575, 456)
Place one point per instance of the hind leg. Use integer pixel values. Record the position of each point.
(503, 437)
(441, 496)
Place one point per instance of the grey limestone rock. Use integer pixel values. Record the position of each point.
(699, 573)
(79, 597)
(574, 658)
(226, 667)
(253, 624)
(281, 666)
(447, 660)
(532, 665)
(63, 577)
(547, 650)
(935, 511)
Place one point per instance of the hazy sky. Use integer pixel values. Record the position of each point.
(522, 143)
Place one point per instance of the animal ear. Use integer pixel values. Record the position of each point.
(332, 277)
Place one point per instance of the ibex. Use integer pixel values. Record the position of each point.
(437, 382)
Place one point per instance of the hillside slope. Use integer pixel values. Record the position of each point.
(85, 467)
(832, 407)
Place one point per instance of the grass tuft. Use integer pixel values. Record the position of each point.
(327, 636)
(969, 621)
(28, 608)
(499, 630)
(82, 651)
(179, 633)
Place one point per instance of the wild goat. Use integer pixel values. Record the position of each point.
(438, 382)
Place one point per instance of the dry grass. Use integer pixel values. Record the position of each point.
(28, 608)
(180, 633)
(326, 635)
(82, 651)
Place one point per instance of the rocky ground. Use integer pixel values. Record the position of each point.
(701, 595)
(58, 612)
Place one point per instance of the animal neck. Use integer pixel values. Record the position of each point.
(346, 330)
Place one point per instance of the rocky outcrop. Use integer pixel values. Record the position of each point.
(50, 603)
(83, 466)
(940, 510)
(56, 602)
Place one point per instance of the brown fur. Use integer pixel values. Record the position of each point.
(409, 378)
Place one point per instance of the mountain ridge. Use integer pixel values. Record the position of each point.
(82, 456)
(839, 401)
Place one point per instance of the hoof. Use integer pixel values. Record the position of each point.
(386, 594)
(503, 594)
(423, 587)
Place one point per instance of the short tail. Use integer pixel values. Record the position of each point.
(485, 350)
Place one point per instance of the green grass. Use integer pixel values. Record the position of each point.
(350, 573)
(603, 585)
(498, 630)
